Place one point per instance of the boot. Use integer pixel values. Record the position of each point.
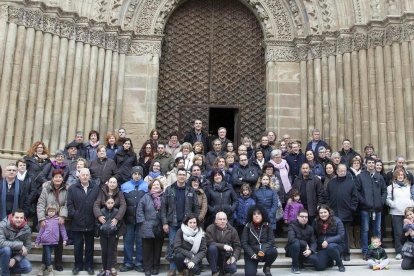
(41, 270)
(50, 270)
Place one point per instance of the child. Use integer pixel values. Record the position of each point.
(108, 230)
(245, 201)
(292, 207)
(49, 236)
(377, 257)
(267, 197)
(409, 219)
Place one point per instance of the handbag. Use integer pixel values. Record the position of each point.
(408, 249)
(279, 213)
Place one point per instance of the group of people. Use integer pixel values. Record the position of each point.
(211, 199)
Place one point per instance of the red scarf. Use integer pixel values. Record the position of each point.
(18, 228)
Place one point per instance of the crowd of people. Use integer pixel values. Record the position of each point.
(211, 199)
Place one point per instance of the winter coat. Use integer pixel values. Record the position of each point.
(295, 161)
(168, 204)
(149, 218)
(342, 197)
(267, 150)
(166, 162)
(120, 205)
(15, 238)
(80, 206)
(173, 149)
(211, 156)
(221, 237)
(228, 176)
(376, 253)
(51, 232)
(188, 160)
(333, 234)
(346, 157)
(49, 167)
(254, 240)
(23, 199)
(91, 152)
(399, 198)
(202, 204)
(107, 229)
(184, 247)
(305, 234)
(111, 152)
(244, 174)
(103, 169)
(240, 216)
(191, 137)
(372, 191)
(48, 196)
(125, 160)
(292, 210)
(269, 200)
(389, 176)
(34, 169)
(221, 198)
(133, 192)
(318, 170)
(320, 143)
(314, 192)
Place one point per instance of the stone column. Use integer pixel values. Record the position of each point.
(340, 98)
(407, 90)
(389, 95)
(272, 96)
(15, 87)
(105, 93)
(112, 91)
(4, 15)
(21, 120)
(318, 93)
(356, 101)
(325, 100)
(349, 122)
(310, 96)
(29, 137)
(382, 120)
(304, 99)
(363, 77)
(333, 103)
(7, 75)
(120, 92)
(98, 91)
(90, 97)
(372, 91)
(84, 87)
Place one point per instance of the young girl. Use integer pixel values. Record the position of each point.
(267, 197)
(108, 232)
(409, 219)
(292, 207)
(245, 201)
(49, 236)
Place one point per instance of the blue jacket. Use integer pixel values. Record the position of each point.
(240, 216)
(132, 198)
(295, 161)
(130, 186)
(269, 200)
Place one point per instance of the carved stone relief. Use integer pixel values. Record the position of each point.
(140, 48)
(375, 38)
(313, 16)
(359, 41)
(33, 19)
(344, 44)
(375, 9)
(67, 29)
(281, 53)
(328, 15)
(4, 12)
(393, 34)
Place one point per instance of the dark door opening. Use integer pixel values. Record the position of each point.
(225, 117)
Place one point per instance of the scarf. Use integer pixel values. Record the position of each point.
(20, 176)
(156, 199)
(58, 166)
(3, 196)
(193, 237)
(18, 228)
(284, 174)
(94, 145)
(400, 183)
(154, 175)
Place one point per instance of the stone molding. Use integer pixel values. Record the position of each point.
(149, 46)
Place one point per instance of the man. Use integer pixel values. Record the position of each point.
(336, 158)
(372, 193)
(316, 142)
(178, 201)
(25, 179)
(81, 197)
(311, 190)
(242, 149)
(133, 191)
(244, 173)
(322, 158)
(267, 149)
(222, 132)
(15, 244)
(196, 171)
(347, 153)
(295, 160)
(301, 245)
(213, 154)
(223, 246)
(197, 134)
(13, 192)
(80, 145)
(71, 157)
(342, 198)
(399, 164)
(173, 146)
(121, 136)
(165, 159)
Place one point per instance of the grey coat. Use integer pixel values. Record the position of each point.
(148, 217)
(10, 237)
(48, 196)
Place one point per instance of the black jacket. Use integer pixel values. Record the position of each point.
(320, 143)
(80, 206)
(244, 174)
(315, 194)
(295, 161)
(390, 174)
(377, 253)
(254, 240)
(372, 191)
(191, 138)
(184, 247)
(125, 160)
(302, 233)
(346, 157)
(342, 197)
(103, 169)
(132, 199)
(334, 234)
(221, 197)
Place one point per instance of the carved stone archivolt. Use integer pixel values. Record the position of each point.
(146, 47)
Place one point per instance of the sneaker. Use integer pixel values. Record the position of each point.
(398, 256)
(41, 270)
(376, 267)
(50, 270)
(139, 268)
(341, 268)
(295, 270)
(126, 268)
(387, 267)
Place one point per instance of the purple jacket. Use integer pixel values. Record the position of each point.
(291, 211)
(49, 235)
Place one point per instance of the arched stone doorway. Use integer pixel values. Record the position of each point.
(212, 59)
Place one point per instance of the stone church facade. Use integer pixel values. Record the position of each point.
(343, 66)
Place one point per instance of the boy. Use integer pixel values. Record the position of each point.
(377, 257)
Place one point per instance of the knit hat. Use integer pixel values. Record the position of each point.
(137, 169)
(59, 152)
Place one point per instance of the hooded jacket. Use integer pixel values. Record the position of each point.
(221, 197)
(254, 240)
(15, 238)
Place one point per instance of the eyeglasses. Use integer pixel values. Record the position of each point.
(303, 216)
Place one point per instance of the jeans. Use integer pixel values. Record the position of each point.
(179, 261)
(327, 255)
(296, 253)
(81, 239)
(47, 254)
(171, 238)
(217, 260)
(397, 226)
(22, 267)
(132, 237)
(365, 224)
(250, 265)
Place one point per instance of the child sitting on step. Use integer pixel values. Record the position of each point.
(377, 257)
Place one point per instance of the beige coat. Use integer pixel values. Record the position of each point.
(48, 196)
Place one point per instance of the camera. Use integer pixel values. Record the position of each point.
(229, 254)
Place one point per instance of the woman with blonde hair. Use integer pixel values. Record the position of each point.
(186, 152)
(111, 145)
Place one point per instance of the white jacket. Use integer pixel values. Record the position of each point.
(402, 199)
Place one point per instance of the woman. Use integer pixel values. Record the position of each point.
(221, 165)
(330, 234)
(149, 219)
(247, 142)
(200, 160)
(92, 146)
(125, 160)
(356, 167)
(379, 168)
(194, 181)
(189, 246)
(173, 146)
(172, 175)
(283, 167)
(230, 148)
(73, 177)
(111, 145)
(281, 145)
(258, 242)
(187, 153)
(398, 198)
(146, 159)
(103, 168)
(111, 189)
(198, 148)
(58, 163)
(272, 138)
(330, 173)
(153, 140)
(316, 168)
(220, 196)
(275, 180)
(54, 191)
(267, 198)
(258, 160)
(155, 172)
